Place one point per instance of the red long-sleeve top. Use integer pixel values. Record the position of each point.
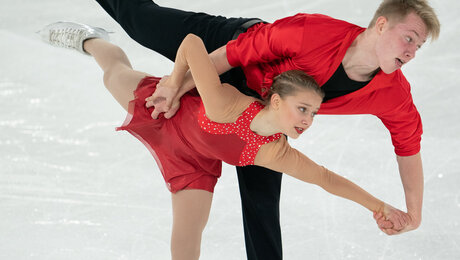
(317, 44)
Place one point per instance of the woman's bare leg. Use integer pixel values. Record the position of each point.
(119, 77)
(190, 215)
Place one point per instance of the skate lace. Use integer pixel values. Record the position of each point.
(68, 37)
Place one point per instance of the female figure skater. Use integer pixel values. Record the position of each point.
(219, 124)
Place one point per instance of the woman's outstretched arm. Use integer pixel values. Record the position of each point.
(283, 158)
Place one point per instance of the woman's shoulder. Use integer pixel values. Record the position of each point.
(273, 151)
(236, 104)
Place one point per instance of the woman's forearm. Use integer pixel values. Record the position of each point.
(340, 186)
(187, 84)
(299, 166)
(181, 65)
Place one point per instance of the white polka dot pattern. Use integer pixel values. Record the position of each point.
(241, 128)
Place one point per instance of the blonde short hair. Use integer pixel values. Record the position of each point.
(399, 9)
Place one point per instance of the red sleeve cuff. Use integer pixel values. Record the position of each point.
(232, 56)
(408, 152)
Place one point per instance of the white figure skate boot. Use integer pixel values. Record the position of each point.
(71, 35)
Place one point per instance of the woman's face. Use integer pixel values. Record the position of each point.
(296, 112)
(398, 41)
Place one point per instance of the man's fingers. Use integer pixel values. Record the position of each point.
(407, 219)
(389, 232)
(396, 222)
(385, 224)
(379, 218)
(149, 103)
(402, 221)
(171, 112)
(155, 113)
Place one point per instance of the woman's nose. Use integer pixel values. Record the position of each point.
(307, 122)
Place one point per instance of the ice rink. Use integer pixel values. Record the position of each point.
(73, 188)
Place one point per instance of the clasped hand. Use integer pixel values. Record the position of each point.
(393, 221)
(165, 99)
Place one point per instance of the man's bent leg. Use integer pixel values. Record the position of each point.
(162, 29)
(260, 194)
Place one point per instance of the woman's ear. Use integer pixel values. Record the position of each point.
(275, 101)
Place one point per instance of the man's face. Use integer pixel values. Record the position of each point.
(398, 41)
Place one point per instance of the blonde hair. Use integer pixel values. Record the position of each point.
(399, 9)
(291, 81)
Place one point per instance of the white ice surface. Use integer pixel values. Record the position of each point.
(73, 188)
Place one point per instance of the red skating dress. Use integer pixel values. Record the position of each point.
(189, 148)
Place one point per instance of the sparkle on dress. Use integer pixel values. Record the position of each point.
(241, 128)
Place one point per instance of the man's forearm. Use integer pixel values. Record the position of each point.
(219, 58)
(411, 171)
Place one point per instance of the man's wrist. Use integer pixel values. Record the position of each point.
(416, 217)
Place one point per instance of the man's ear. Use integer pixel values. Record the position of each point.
(380, 24)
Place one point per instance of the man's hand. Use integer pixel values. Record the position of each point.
(165, 99)
(394, 222)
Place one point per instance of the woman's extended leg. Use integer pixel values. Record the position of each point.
(161, 29)
(190, 215)
(119, 77)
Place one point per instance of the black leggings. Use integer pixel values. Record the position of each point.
(162, 30)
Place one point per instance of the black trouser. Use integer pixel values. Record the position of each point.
(162, 30)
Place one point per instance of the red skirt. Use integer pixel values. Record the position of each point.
(168, 140)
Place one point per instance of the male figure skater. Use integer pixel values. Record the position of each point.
(358, 68)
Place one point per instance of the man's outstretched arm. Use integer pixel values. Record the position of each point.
(411, 171)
